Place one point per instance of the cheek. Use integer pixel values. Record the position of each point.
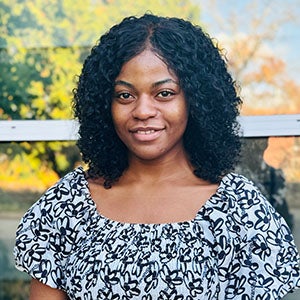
(116, 114)
(180, 116)
(185, 114)
(117, 119)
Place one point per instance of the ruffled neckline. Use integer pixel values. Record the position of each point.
(211, 201)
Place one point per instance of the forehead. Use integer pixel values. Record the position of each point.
(146, 64)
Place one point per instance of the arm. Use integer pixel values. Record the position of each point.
(40, 291)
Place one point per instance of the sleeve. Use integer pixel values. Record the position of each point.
(45, 237)
(271, 254)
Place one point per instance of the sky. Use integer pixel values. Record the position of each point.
(286, 42)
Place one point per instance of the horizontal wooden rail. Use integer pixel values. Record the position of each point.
(38, 130)
(66, 130)
(273, 125)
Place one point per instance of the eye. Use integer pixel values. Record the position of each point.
(165, 94)
(124, 96)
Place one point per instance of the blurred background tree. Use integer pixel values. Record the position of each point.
(42, 47)
(257, 65)
(253, 34)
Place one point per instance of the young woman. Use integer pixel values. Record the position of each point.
(158, 214)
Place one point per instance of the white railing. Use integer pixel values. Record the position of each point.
(66, 130)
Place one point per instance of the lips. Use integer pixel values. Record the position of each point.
(145, 131)
(146, 134)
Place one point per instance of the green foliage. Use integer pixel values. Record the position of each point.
(42, 47)
(43, 42)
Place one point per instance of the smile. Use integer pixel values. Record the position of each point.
(146, 134)
(145, 131)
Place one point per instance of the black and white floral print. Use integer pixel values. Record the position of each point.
(237, 247)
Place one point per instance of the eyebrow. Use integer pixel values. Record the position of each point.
(155, 84)
(168, 80)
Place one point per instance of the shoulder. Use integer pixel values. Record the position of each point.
(252, 207)
(237, 182)
(72, 189)
(72, 184)
(241, 190)
(66, 201)
(52, 227)
(68, 191)
(246, 204)
(264, 245)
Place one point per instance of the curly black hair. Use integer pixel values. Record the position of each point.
(211, 139)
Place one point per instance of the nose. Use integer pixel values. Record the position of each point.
(145, 108)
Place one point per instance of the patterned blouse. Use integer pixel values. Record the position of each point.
(236, 247)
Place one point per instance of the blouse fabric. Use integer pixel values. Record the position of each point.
(236, 247)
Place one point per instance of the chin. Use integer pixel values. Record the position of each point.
(147, 155)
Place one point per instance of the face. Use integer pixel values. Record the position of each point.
(149, 110)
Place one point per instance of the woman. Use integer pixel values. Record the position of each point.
(158, 214)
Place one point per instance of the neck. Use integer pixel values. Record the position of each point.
(171, 168)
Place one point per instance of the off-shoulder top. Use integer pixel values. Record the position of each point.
(236, 247)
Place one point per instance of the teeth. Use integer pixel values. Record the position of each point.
(145, 132)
